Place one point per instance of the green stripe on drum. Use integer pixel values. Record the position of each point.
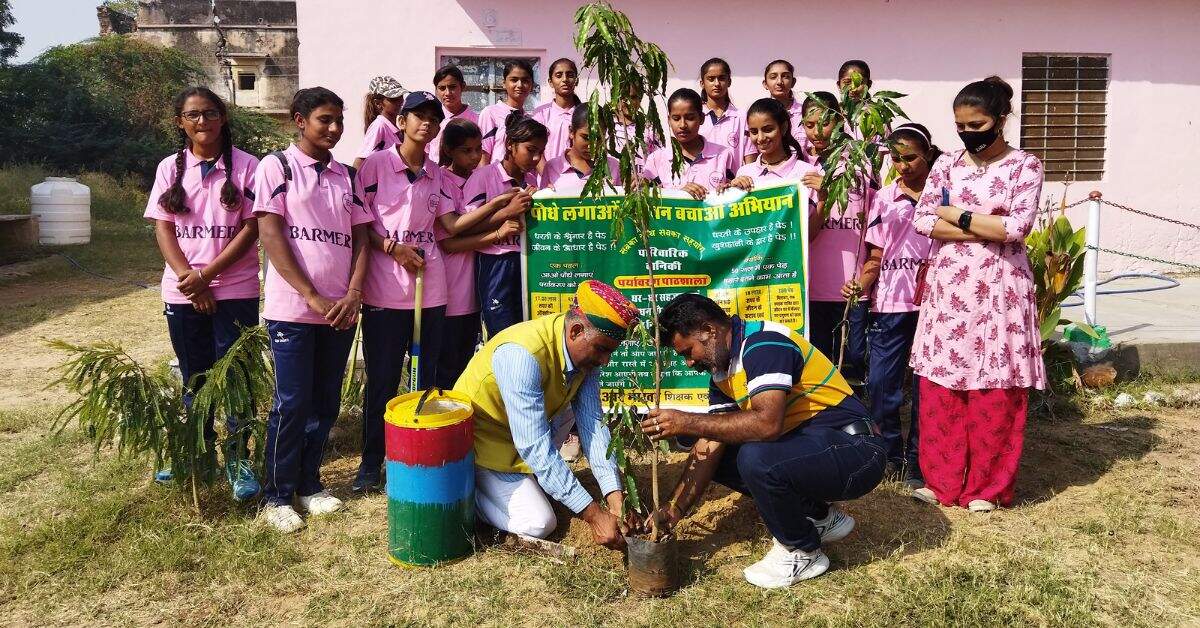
(428, 534)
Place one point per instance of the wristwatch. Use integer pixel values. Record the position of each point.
(964, 221)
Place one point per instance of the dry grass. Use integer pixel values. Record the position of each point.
(1105, 531)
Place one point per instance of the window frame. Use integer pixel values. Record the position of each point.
(447, 54)
(1073, 145)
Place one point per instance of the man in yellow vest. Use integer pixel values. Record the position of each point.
(783, 426)
(529, 384)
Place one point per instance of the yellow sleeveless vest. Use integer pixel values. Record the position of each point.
(543, 339)
(820, 384)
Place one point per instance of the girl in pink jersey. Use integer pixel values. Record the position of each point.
(380, 106)
(556, 114)
(779, 79)
(460, 158)
(978, 345)
(448, 84)
(498, 266)
(202, 209)
(569, 173)
(405, 193)
(836, 246)
(518, 84)
(626, 129)
(896, 251)
(844, 79)
(721, 122)
(315, 231)
(706, 166)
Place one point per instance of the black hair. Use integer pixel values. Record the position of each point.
(519, 127)
(715, 61)
(550, 73)
(456, 133)
(686, 313)
(451, 71)
(825, 98)
(993, 95)
(918, 133)
(687, 95)
(514, 64)
(309, 98)
(371, 108)
(579, 118)
(857, 64)
(775, 109)
(791, 69)
(173, 199)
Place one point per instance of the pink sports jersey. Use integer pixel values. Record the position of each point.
(625, 131)
(797, 118)
(792, 169)
(566, 179)
(832, 252)
(728, 130)
(558, 123)
(207, 227)
(320, 207)
(712, 167)
(904, 250)
(434, 147)
(382, 134)
(488, 182)
(406, 206)
(460, 267)
(491, 124)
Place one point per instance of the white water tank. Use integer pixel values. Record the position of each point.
(63, 207)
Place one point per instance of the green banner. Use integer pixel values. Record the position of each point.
(746, 251)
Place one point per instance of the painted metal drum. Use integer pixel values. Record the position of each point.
(430, 478)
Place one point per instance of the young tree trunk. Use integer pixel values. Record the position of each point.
(644, 232)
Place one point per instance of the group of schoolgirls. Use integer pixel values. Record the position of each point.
(440, 191)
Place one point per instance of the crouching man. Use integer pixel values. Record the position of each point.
(529, 384)
(783, 427)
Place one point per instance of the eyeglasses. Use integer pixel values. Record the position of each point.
(207, 114)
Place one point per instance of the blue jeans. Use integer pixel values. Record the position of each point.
(891, 343)
(461, 336)
(823, 318)
(794, 477)
(310, 362)
(199, 340)
(387, 338)
(498, 286)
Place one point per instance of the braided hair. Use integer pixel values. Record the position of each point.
(173, 199)
(519, 128)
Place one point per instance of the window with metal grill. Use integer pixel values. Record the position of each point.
(1064, 109)
(485, 78)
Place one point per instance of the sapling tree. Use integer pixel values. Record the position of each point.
(854, 159)
(141, 411)
(626, 69)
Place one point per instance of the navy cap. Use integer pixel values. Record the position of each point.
(419, 99)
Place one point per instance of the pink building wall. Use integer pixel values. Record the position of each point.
(925, 49)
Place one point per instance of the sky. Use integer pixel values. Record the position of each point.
(46, 23)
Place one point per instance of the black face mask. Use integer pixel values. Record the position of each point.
(977, 141)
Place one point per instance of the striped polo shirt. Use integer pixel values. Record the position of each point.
(769, 356)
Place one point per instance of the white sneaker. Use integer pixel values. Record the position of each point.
(783, 567)
(980, 505)
(321, 503)
(835, 526)
(926, 495)
(283, 518)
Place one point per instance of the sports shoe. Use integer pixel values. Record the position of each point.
(570, 448)
(282, 517)
(320, 503)
(912, 476)
(240, 476)
(164, 476)
(835, 526)
(980, 505)
(783, 567)
(926, 495)
(367, 481)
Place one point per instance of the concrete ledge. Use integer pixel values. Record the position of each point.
(1159, 358)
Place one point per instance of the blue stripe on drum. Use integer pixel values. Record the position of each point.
(447, 484)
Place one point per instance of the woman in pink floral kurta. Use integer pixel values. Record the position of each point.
(977, 346)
